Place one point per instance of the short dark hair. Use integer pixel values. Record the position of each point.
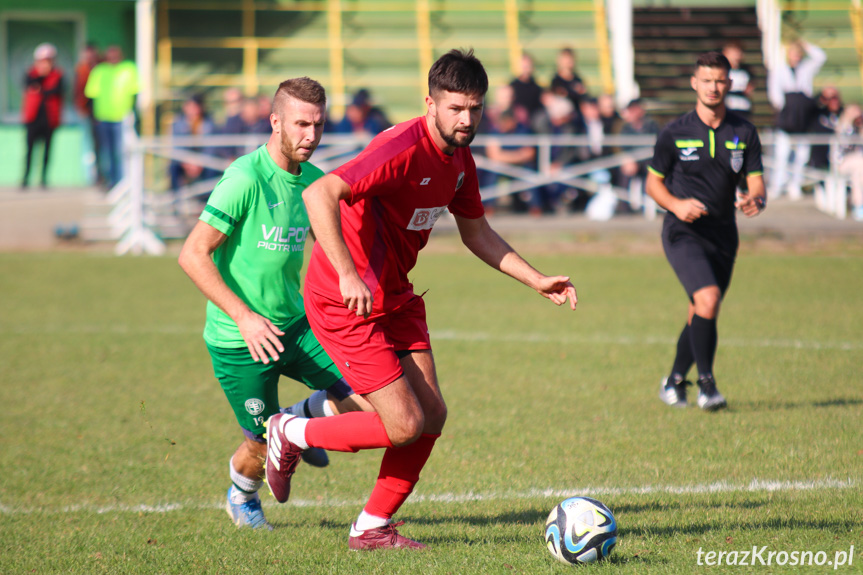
(712, 60)
(304, 89)
(458, 71)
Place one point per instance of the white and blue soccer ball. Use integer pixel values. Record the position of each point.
(580, 530)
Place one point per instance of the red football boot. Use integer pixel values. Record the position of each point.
(385, 537)
(282, 457)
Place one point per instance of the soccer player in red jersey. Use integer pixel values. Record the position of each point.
(371, 217)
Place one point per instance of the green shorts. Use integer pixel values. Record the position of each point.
(252, 387)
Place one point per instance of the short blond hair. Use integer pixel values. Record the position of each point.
(304, 89)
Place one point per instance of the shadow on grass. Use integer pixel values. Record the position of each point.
(479, 537)
(762, 405)
(779, 523)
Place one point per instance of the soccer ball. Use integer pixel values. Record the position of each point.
(580, 530)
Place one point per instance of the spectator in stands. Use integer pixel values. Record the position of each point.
(265, 108)
(501, 101)
(567, 82)
(527, 95)
(850, 160)
(193, 121)
(611, 121)
(245, 121)
(516, 155)
(361, 117)
(636, 123)
(42, 106)
(789, 88)
(87, 60)
(594, 129)
(826, 121)
(112, 85)
(563, 120)
(739, 98)
(232, 104)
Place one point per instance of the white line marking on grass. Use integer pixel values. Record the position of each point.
(754, 486)
(452, 335)
(455, 335)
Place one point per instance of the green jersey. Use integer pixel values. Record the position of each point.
(259, 206)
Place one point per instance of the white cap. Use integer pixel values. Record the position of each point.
(45, 51)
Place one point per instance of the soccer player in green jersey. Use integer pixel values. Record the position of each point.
(245, 254)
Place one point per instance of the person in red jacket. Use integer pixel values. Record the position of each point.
(42, 105)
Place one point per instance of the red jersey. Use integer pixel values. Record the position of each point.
(400, 185)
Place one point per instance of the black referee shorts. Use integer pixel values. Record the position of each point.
(701, 256)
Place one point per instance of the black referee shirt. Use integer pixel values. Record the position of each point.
(706, 164)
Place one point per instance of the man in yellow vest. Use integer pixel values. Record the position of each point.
(112, 86)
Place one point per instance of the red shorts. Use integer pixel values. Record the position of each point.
(365, 349)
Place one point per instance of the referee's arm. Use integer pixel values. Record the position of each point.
(752, 203)
(686, 209)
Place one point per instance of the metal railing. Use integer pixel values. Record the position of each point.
(133, 219)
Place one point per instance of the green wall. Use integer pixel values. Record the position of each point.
(66, 166)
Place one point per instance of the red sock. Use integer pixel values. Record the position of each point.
(348, 432)
(400, 471)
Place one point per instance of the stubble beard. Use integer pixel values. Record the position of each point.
(290, 152)
(450, 138)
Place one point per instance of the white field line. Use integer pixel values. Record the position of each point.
(457, 335)
(453, 335)
(754, 486)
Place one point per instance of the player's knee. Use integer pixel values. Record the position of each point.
(407, 431)
(435, 418)
(707, 303)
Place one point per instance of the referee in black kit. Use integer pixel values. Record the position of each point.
(699, 161)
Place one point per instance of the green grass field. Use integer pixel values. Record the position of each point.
(115, 437)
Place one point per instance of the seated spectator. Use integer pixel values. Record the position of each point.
(501, 101)
(850, 160)
(564, 120)
(361, 117)
(515, 155)
(193, 121)
(232, 99)
(567, 82)
(527, 96)
(265, 108)
(611, 121)
(246, 121)
(636, 122)
(826, 121)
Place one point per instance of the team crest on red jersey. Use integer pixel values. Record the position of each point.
(460, 181)
(425, 218)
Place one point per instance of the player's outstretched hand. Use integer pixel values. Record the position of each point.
(356, 295)
(749, 205)
(558, 289)
(689, 210)
(261, 337)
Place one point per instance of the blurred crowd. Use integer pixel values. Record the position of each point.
(105, 84)
(563, 106)
(103, 93)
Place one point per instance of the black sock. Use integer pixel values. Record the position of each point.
(703, 334)
(684, 358)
